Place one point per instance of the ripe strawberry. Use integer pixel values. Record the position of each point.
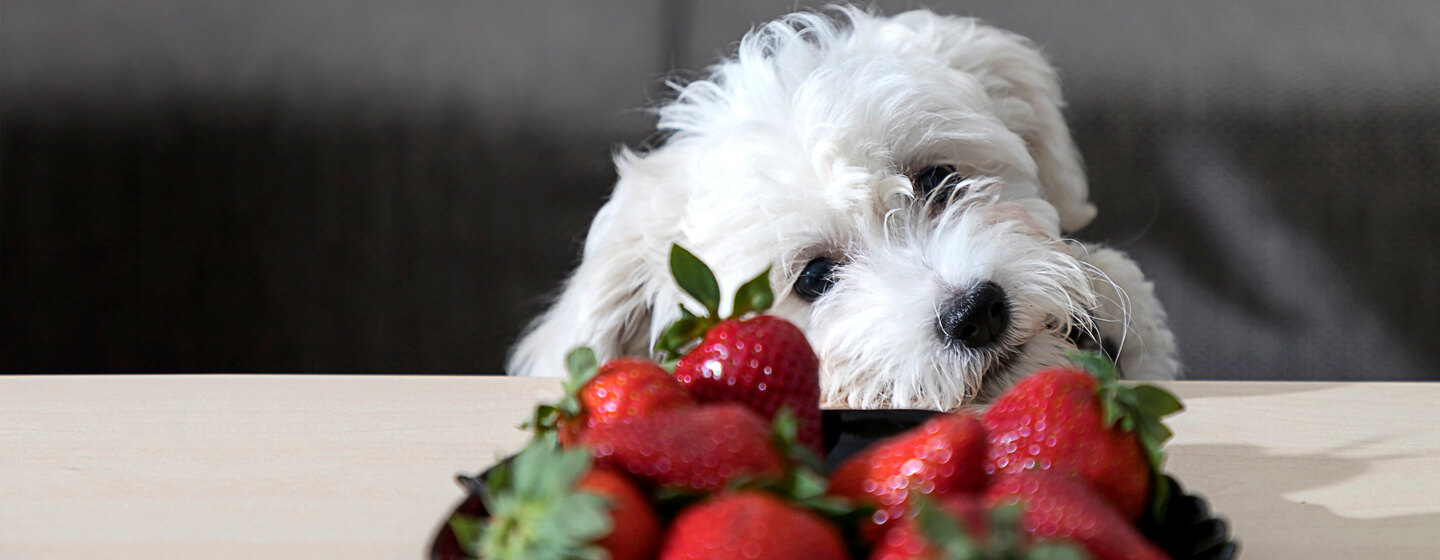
(551, 504)
(626, 388)
(619, 390)
(754, 525)
(1086, 424)
(699, 448)
(960, 515)
(1057, 507)
(959, 527)
(636, 532)
(764, 362)
(940, 457)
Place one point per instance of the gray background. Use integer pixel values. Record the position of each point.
(337, 186)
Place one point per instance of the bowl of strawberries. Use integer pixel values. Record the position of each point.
(721, 451)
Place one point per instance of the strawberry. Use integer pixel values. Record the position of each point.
(636, 533)
(1060, 508)
(1084, 423)
(619, 390)
(754, 525)
(626, 388)
(959, 527)
(764, 362)
(550, 503)
(942, 456)
(959, 515)
(700, 448)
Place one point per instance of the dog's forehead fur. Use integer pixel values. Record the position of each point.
(825, 117)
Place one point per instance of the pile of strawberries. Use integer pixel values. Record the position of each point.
(713, 455)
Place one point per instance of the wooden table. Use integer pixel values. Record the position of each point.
(275, 467)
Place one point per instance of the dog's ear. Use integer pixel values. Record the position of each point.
(1026, 92)
(608, 303)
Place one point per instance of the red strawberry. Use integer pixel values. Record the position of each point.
(550, 504)
(636, 532)
(960, 527)
(626, 388)
(905, 542)
(942, 456)
(698, 448)
(622, 389)
(1087, 425)
(753, 525)
(1057, 507)
(960, 515)
(764, 362)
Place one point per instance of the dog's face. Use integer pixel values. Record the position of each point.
(909, 179)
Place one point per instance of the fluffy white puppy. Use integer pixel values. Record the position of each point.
(911, 178)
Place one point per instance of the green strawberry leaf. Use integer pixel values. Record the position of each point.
(1097, 364)
(1127, 398)
(1160, 503)
(1153, 455)
(467, 529)
(803, 483)
(679, 334)
(785, 436)
(695, 278)
(1156, 402)
(1156, 430)
(1005, 533)
(544, 419)
(809, 486)
(754, 296)
(582, 365)
(836, 508)
(535, 511)
(497, 480)
(944, 532)
(1111, 411)
(1055, 551)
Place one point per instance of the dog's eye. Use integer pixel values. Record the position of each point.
(931, 179)
(816, 279)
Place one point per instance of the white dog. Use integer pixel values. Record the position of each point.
(911, 179)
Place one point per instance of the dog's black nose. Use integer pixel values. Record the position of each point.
(978, 317)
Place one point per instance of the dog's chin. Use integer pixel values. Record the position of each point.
(1012, 362)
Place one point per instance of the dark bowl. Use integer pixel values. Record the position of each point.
(1190, 530)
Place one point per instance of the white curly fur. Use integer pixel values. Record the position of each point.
(801, 146)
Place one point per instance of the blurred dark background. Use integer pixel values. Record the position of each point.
(332, 186)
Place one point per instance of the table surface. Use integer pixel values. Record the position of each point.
(314, 466)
